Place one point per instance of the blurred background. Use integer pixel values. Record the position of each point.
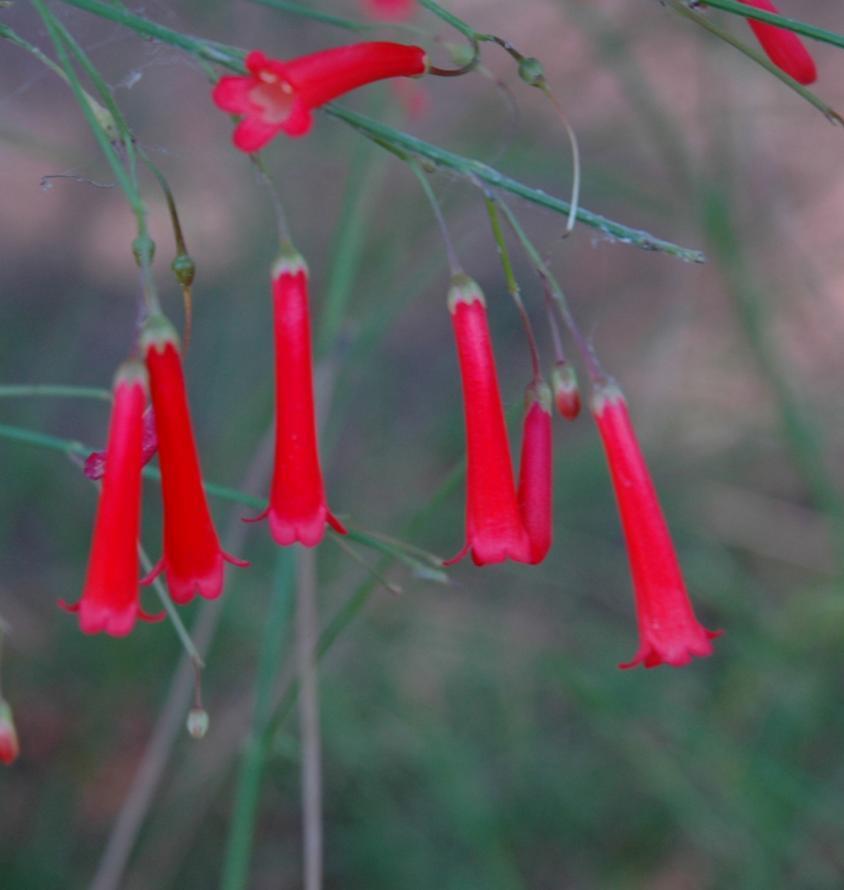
(476, 733)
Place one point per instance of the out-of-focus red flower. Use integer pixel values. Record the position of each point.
(9, 747)
(494, 528)
(669, 632)
(111, 596)
(783, 47)
(278, 96)
(297, 510)
(193, 559)
(95, 463)
(390, 10)
(535, 493)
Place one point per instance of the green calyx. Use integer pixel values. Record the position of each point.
(184, 268)
(158, 333)
(464, 290)
(532, 72)
(289, 261)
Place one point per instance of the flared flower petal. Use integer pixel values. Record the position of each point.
(193, 559)
(278, 96)
(669, 632)
(783, 47)
(297, 511)
(110, 598)
(494, 528)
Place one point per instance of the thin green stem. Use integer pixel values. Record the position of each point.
(453, 262)
(325, 18)
(829, 113)
(172, 613)
(232, 58)
(512, 284)
(474, 169)
(556, 293)
(248, 790)
(48, 390)
(804, 28)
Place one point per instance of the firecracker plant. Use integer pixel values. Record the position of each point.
(273, 95)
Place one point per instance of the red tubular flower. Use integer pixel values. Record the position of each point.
(494, 529)
(535, 493)
(297, 510)
(193, 559)
(783, 47)
(277, 96)
(9, 748)
(669, 632)
(111, 596)
(390, 10)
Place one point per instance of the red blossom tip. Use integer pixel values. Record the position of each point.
(566, 390)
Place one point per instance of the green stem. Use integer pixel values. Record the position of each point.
(232, 58)
(172, 613)
(47, 390)
(512, 284)
(474, 169)
(247, 793)
(324, 17)
(751, 12)
(453, 261)
(828, 112)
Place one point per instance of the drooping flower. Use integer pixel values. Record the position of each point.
(669, 632)
(783, 47)
(535, 493)
(566, 390)
(9, 747)
(278, 96)
(494, 528)
(193, 559)
(111, 596)
(390, 10)
(297, 510)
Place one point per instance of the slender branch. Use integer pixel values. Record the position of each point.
(828, 112)
(752, 12)
(242, 825)
(469, 167)
(48, 390)
(307, 630)
(232, 58)
(450, 252)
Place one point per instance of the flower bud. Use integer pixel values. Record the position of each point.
(197, 722)
(566, 391)
(184, 268)
(532, 72)
(143, 247)
(9, 748)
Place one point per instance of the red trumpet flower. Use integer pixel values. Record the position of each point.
(536, 471)
(669, 632)
(278, 96)
(9, 747)
(390, 10)
(111, 596)
(193, 559)
(783, 47)
(297, 510)
(494, 528)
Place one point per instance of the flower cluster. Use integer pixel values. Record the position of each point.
(508, 516)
